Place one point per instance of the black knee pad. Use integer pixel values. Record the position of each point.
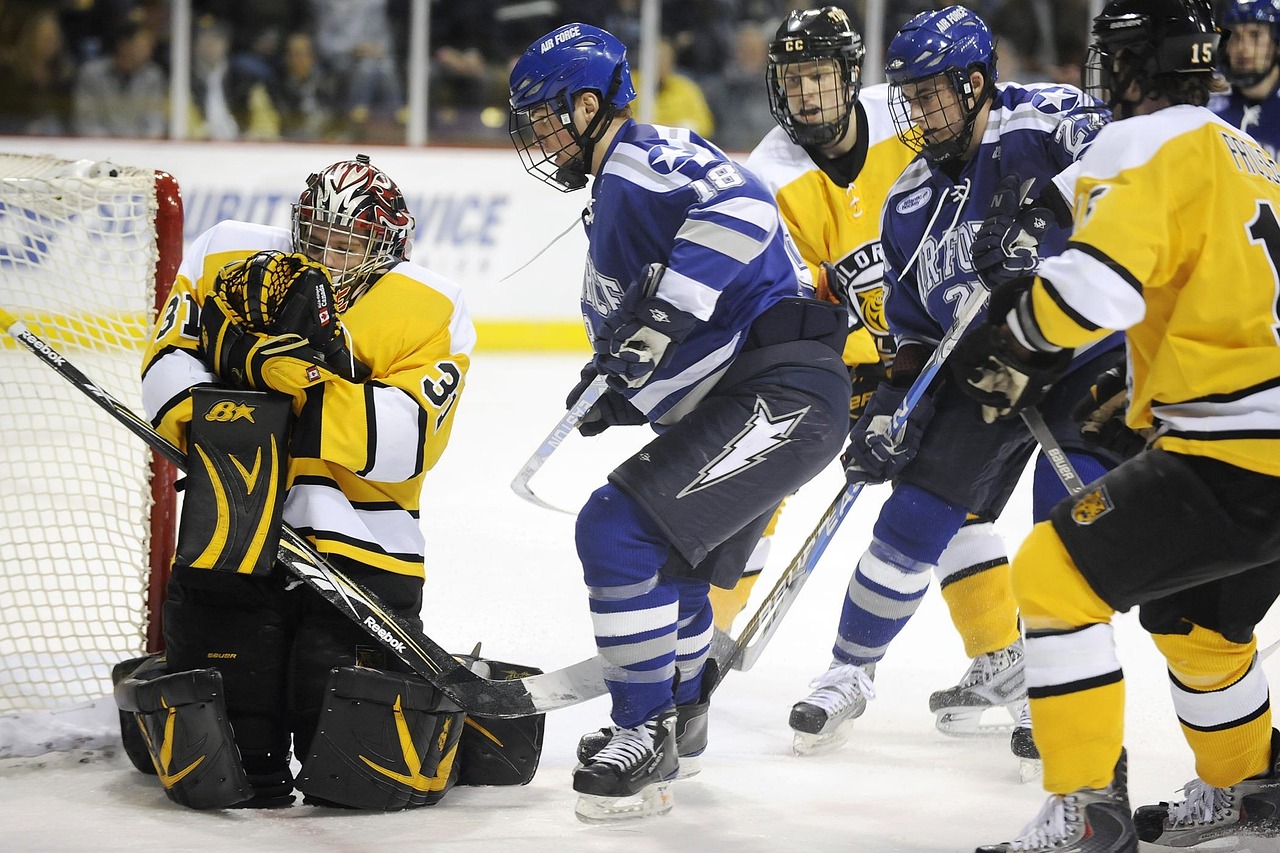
(384, 742)
(182, 720)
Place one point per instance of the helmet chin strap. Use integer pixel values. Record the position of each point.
(574, 173)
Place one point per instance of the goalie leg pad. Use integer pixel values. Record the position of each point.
(182, 718)
(496, 751)
(131, 734)
(235, 483)
(386, 741)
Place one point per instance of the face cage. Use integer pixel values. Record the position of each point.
(822, 134)
(536, 141)
(314, 229)
(1098, 77)
(1246, 79)
(915, 134)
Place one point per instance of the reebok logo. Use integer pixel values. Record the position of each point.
(42, 348)
(382, 633)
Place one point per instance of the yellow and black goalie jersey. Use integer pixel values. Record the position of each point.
(836, 219)
(1177, 241)
(359, 452)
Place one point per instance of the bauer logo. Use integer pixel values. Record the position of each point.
(915, 201)
(1093, 506)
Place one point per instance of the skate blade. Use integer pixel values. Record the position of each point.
(968, 722)
(690, 766)
(805, 744)
(1234, 844)
(1030, 769)
(652, 800)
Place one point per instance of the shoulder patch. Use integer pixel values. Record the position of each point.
(1092, 506)
(915, 201)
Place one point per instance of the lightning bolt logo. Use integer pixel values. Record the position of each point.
(762, 435)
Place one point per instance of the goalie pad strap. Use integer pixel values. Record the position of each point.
(182, 719)
(385, 741)
(235, 480)
(503, 751)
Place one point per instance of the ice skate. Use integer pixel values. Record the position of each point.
(691, 729)
(993, 680)
(1023, 746)
(630, 777)
(1088, 820)
(1221, 819)
(822, 719)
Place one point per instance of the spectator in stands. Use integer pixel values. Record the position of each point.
(38, 73)
(302, 94)
(737, 95)
(226, 102)
(124, 93)
(679, 101)
(354, 41)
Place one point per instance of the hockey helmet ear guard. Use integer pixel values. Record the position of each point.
(928, 66)
(353, 219)
(814, 74)
(545, 81)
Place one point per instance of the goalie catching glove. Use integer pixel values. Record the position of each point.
(269, 324)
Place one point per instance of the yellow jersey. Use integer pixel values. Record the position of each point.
(1176, 241)
(358, 452)
(835, 218)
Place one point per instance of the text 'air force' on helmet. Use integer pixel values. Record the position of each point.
(940, 49)
(545, 81)
(814, 75)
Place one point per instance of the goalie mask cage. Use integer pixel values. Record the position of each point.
(87, 253)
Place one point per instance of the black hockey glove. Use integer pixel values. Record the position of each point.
(1101, 415)
(610, 409)
(874, 454)
(1006, 246)
(638, 334)
(997, 371)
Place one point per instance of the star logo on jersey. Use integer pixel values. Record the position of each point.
(1055, 97)
(665, 159)
(762, 435)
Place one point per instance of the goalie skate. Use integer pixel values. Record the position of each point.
(821, 721)
(994, 680)
(631, 775)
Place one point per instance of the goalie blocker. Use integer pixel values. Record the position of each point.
(385, 741)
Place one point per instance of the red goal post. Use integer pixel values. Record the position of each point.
(88, 251)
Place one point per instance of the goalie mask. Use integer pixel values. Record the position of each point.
(814, 74)
(1254, 46)
(545, 83)
(928, 66)
(353, 219)
(1151, 43)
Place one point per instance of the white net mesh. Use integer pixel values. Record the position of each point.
(78, 254)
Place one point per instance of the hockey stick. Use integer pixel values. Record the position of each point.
(1053, 452)
(561, 431)
(757, 633)
(486, 697)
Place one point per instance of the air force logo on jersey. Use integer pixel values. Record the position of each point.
(762, 435)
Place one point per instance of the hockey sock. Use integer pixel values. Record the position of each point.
(693, 638)
(1074, 678)
(1221, 698)
(634, 610)
(973, 572)
(1046, 487)
(892, 575)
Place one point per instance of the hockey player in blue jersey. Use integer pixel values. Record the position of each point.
(701, 315)
(977, 144)
(1251, 61)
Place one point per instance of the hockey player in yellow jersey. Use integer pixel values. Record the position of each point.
(1175, 241)
(348, 361)
(830, 164)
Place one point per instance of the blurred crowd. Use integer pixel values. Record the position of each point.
(335, 70)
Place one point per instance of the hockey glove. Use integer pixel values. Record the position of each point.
(874, 455)
(245, 359)
(1006, 246)
(639, 333)
(610, 409)
(865, 378)
(1101, 415)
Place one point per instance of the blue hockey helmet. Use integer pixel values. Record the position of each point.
(1153, 43)
(947, 44)
(545, 80)
(1252, 12)
(814, 74)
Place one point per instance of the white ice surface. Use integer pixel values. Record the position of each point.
(504, 572)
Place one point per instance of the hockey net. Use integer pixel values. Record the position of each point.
(87, 252)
